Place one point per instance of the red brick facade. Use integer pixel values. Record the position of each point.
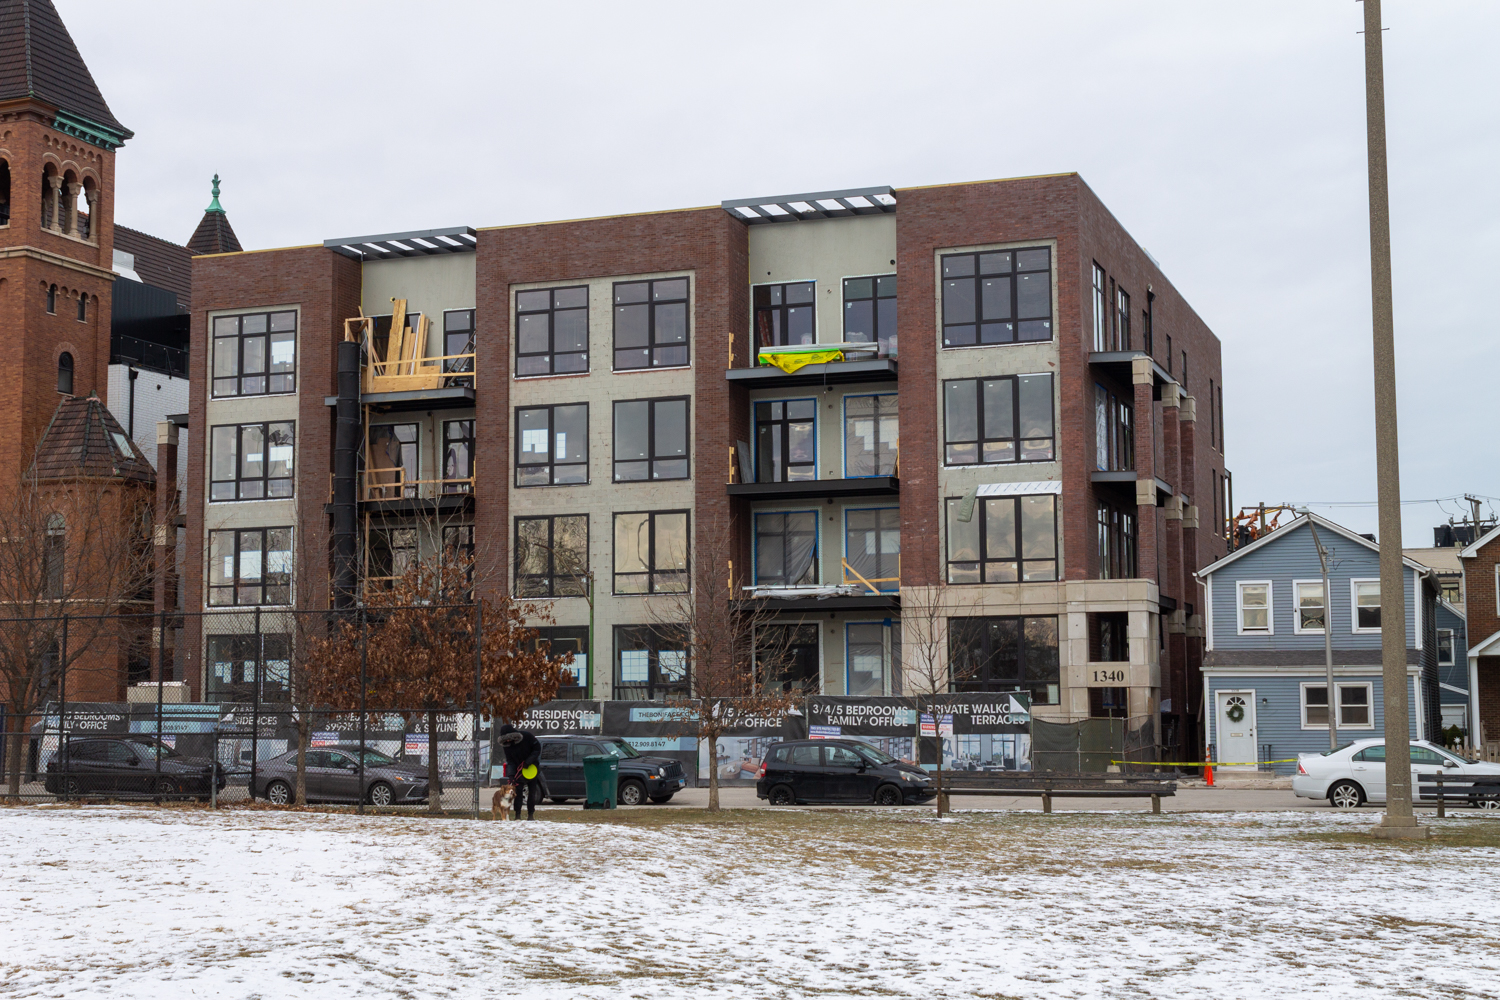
(1482, 621)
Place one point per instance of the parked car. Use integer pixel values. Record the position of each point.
(1355, 774)
(333, 776)
(838, 771)
(128, 767)
(642, 777)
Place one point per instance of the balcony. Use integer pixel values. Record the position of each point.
(1125, 480)
(387, 492)
(864, 367)
(870, 486)
(398, 373)
(1121, 365)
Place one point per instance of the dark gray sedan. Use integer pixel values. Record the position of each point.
(333, 776)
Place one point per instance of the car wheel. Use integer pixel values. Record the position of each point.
(1346, 795)
(382, 794)
(279, 793)
(1487, 802)
(782, 795)
(166, 787)
(887, 795)
(72, 787)
(632, 793)
(661, 799)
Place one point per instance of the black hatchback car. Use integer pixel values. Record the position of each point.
(838, 771)
(642, 778)
(127, 767)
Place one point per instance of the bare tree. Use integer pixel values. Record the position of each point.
(721, 637)
(76, 562)
(928, 672)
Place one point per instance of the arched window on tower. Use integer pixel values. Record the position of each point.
(52, 299)
(83, 307)
(65, 374)
(4, 193)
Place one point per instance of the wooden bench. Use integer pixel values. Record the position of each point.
(1439, 788)
(1049, 784)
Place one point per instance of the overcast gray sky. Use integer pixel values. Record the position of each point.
(1228, 138)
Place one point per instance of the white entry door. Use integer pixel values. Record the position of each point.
(1235, 728)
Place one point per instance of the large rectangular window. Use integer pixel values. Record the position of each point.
(458, 456)
(1122, 320)
(1255, 607)
(999, 297)
(560, 639)
(651, 439)
(552, 331)
(1005, 654)
(390, 552)
(391, 467)
(651, 552)
(552, 556)
(786, 548)
(786, 441)
(1354, 706)
(995, 420)
(459, 339)
(872, 548)
(1101, 311)
(651, 324)
(255, 354)
(786, 314)
(1445, 647)
(872, 653)
(1007, 539)
(651, 663)
(239, 664)
(1114, 431)
(1366, 605)
(552, 445)
(872, 441)
(870, 312)
(1117, 542)
(250, 566)
(786, 657)
(1311, 610)
(251, 461)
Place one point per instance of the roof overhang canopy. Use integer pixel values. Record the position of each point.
(421, 243)
(815, 205)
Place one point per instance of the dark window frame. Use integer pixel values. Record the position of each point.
(237, 584)
(551, 354)
(653, 640)
(579, 634)
(389, 491)
(550, 579)
(878, 417)
(1020, 559)
(265, 479)
(652, 572)
(652, 458)
(83, 308)
(52, 300)
(65, 370)
(776, 332)
(287, 383)
(470, 345)
(885, 342)
(251, 654)
(756, 534)
(1114, 430)
(1117, 541)
(981, 320)
(782, 429)
(1015, 415)
(1122, 320)
(455, 483)
(1049, 685)
(552, 464)
(653, 344)
(885, 584)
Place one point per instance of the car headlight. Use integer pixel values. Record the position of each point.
(661, 772)
(915, 777)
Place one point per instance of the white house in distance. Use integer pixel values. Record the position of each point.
(1264, 672)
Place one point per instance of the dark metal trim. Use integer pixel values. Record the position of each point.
(753, 211)
(869, 486)
(830, 373)
(388, 246)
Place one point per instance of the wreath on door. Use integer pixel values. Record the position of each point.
(1236, 712)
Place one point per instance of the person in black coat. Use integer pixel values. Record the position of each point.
(523, 750)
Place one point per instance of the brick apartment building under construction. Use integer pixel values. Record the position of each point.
(1023, 422)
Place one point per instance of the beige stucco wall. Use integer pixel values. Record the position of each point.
(826, 251)
(430, 285)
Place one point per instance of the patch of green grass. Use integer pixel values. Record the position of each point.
(1476, 832)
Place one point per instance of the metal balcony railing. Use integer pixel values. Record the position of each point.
(392, 484)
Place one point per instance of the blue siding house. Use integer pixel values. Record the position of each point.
(1265, 683)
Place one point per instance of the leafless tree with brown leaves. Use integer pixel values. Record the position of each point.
(722, 636)
(76, 568)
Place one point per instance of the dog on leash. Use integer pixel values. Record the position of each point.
(503, 802)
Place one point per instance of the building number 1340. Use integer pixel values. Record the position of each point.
(1109, 676)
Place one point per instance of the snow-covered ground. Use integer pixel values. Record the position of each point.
(168, 904)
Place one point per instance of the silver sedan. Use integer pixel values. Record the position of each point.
(1355, 774)
(333, 776)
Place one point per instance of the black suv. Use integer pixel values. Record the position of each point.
(838, 771)
(641, 778)
(122, 767)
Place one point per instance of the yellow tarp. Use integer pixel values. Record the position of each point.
(791, 362)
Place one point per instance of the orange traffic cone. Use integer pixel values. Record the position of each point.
(1208, 772)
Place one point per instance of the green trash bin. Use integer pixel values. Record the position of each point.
(601, 779)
